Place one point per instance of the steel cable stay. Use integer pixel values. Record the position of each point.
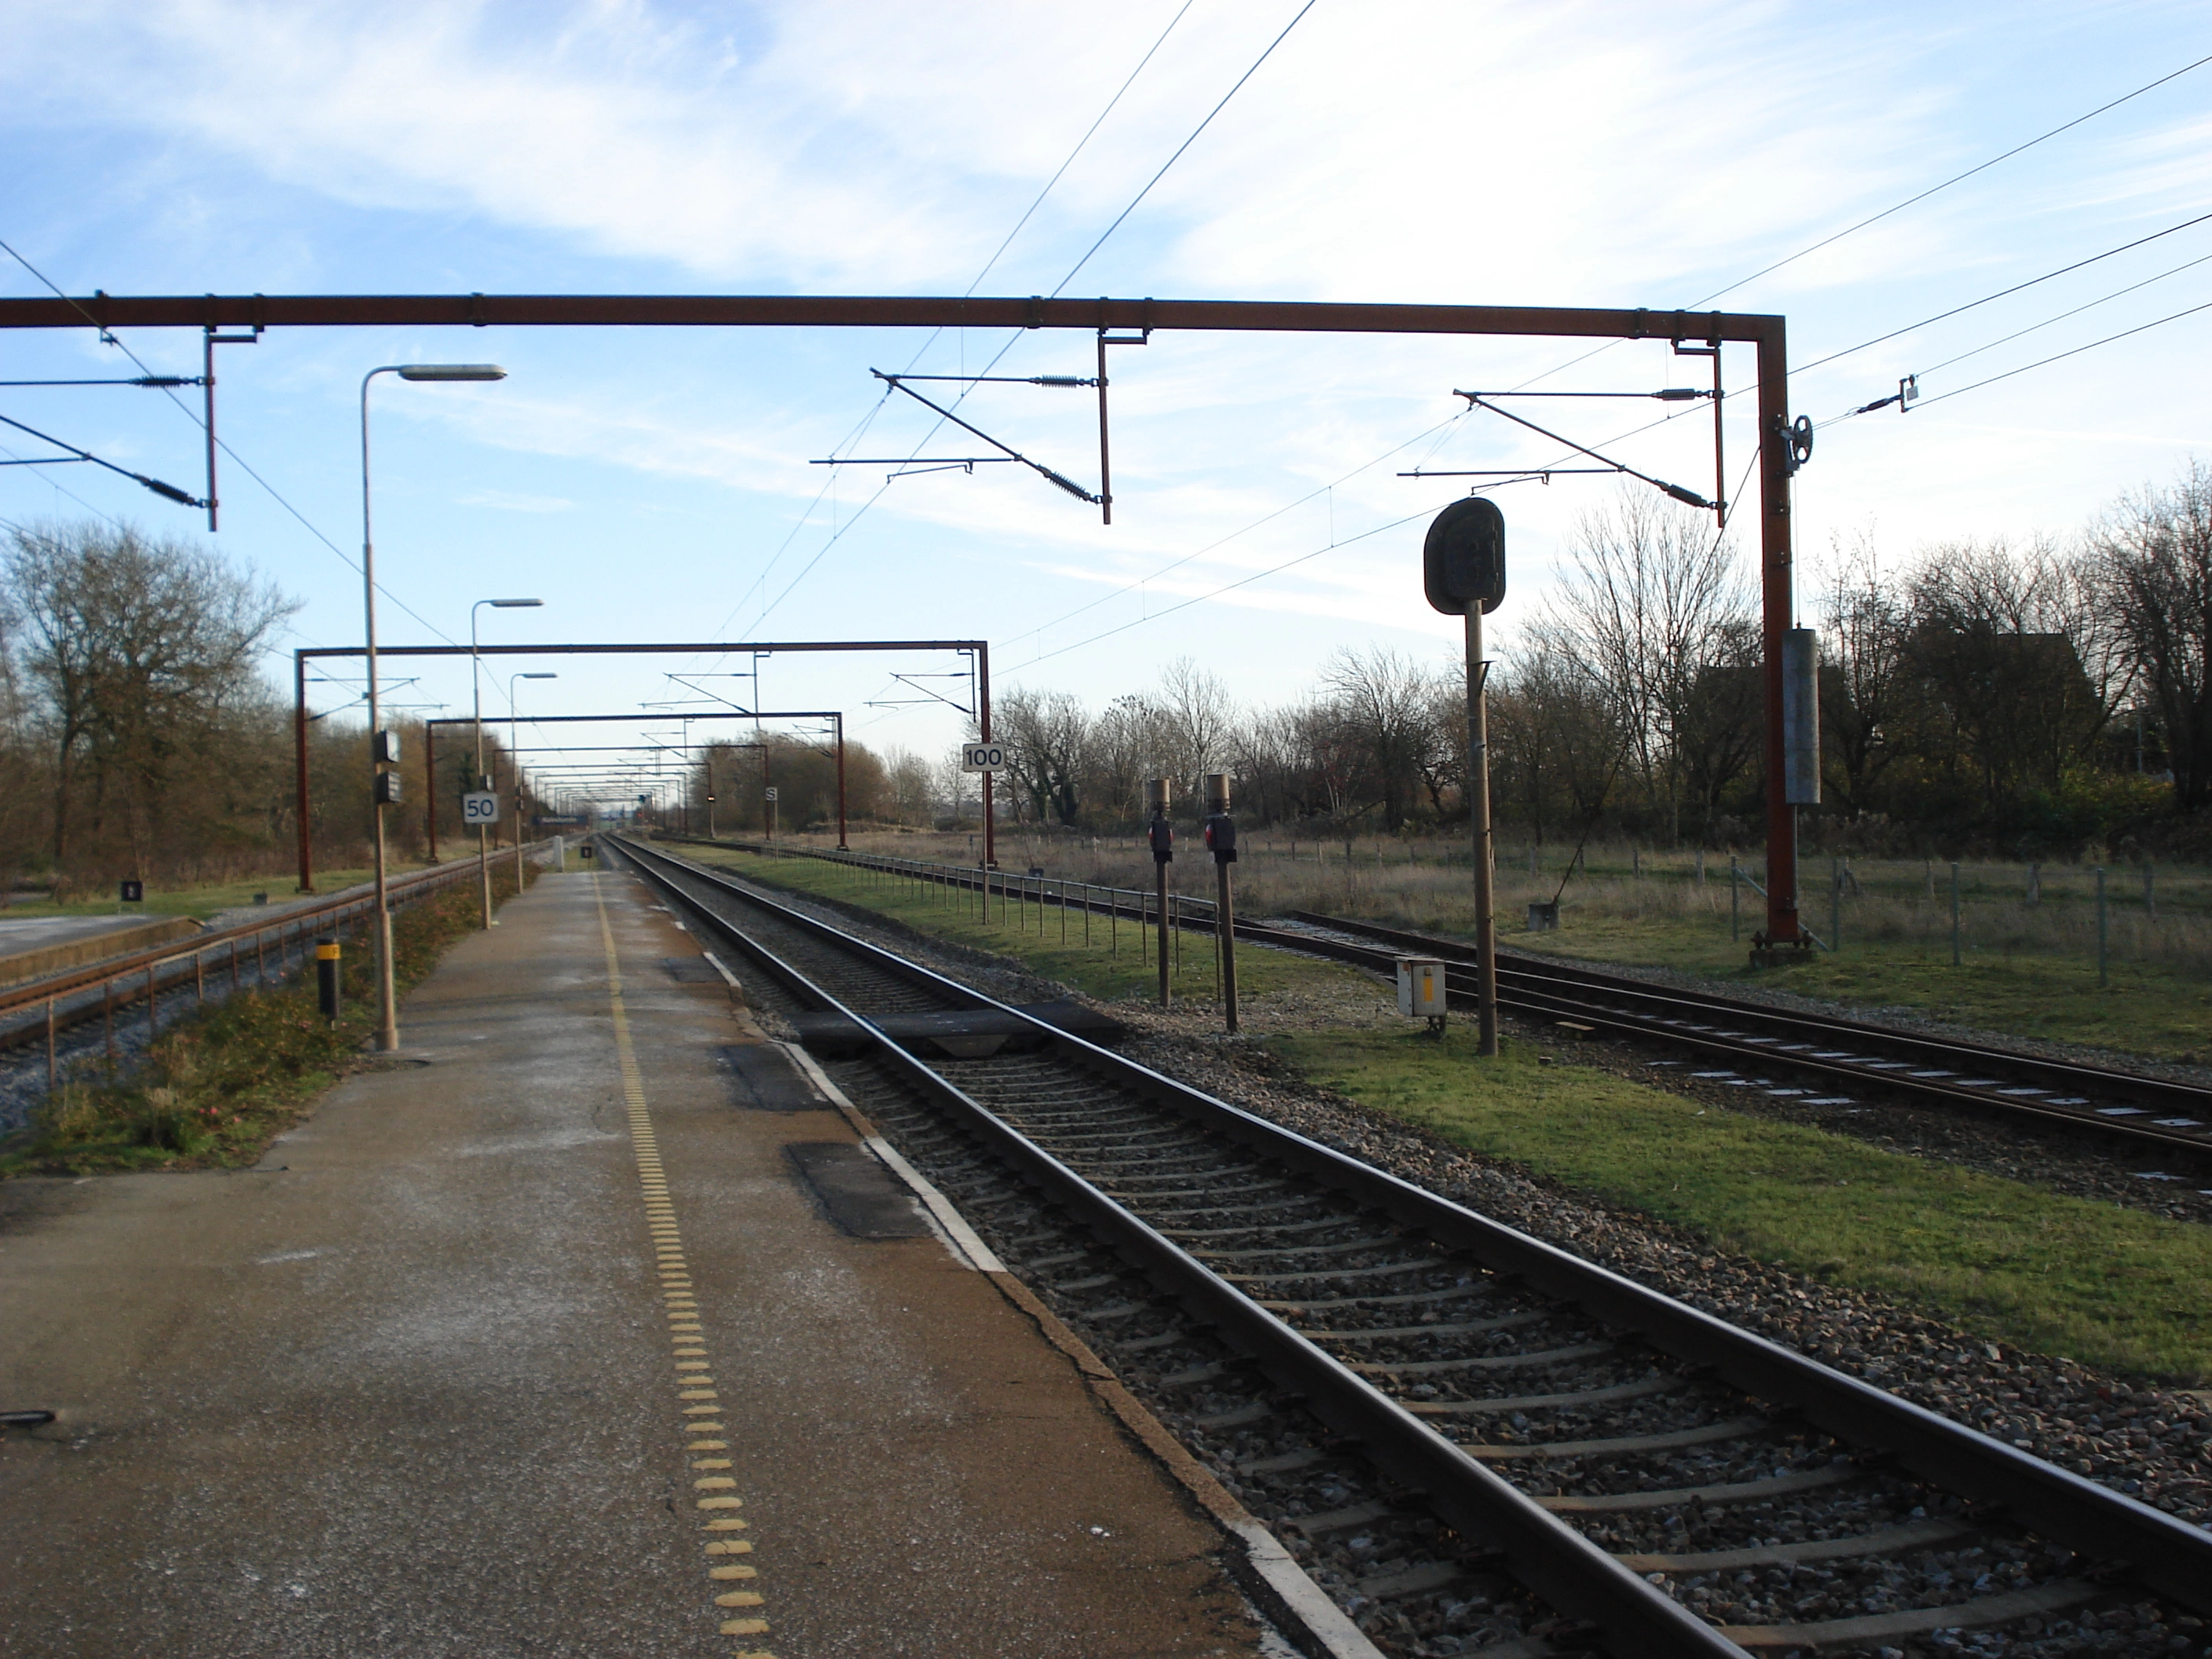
(168, 490)
(1687, 497)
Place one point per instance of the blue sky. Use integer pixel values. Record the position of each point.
(655, 485)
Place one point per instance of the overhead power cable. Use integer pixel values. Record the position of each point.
(1089, 132)
(2002, 293)
(1900, 207)
(1955, 178)
(2043, 362)
(1185, 145)
(161, 382)
(1228, 587)
(868, 420)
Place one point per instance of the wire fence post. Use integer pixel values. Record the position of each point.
(2102, 932)
(1955, 913)
(1736, 896)
(1835, 904)
(53, 1063)
(108, 1018)
(2150, 895)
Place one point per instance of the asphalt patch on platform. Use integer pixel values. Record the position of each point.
(765, 1081)
(858, 1193)
(691, 970)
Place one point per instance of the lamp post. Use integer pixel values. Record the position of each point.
(387, 1037)
(475, 687)
(514, 759)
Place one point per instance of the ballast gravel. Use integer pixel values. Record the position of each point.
(2152, 1443)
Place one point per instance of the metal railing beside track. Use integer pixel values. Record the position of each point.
(2117, 1104)
(41, 1009)
(1558, 1562)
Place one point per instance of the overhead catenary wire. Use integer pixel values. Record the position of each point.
(2003, 293)
(868, 420)
(839, 534)
(2043, 362)
(1185, 145)
(222, 444)
(1896, 208)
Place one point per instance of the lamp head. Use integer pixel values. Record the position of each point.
(452, 372)
(537, 676)
(513, 605)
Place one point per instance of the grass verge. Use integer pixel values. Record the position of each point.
(1117, 965)
(2100, 1284)
(213, 1092)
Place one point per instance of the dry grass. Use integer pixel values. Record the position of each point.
(2029, 968)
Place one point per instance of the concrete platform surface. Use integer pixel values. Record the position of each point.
(539, 1342)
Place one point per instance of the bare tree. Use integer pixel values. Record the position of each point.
(2152, 563)
(139, 652)
(1387, 705)
(1867, 686)
(2009, 645)
(1647, 607)
(1047, 734)
(1197, 718)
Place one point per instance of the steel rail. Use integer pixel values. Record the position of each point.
(1523, 989)
(2169, 1554)
(32, 995)
(1547, 1554)
(2111, 1085)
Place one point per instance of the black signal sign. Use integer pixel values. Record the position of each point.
(1463, 560)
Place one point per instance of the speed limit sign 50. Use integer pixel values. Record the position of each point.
(983, 757)
(480, 806)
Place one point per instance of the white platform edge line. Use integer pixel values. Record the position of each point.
(1325, 1621)
(959, 1237)
(723, 971)
(1308, 1603)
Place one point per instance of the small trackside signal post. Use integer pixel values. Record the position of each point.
(1221, 842)
(327, 982)
(1463, 574)
(1161, 837)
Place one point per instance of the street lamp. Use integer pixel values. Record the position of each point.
(388, 1036)
(514, 759)
(483, 779)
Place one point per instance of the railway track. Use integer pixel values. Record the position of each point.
(1446, 1415)
(1828, 1051)
(37, 1011)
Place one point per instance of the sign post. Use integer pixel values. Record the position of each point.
(1161, 837)
(1463, 574)
(480, 807)
(1221, 842)
(989, 759)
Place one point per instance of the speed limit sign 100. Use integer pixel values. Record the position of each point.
(983, 757)
(480, 806)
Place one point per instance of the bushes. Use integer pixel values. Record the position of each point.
(215, 1090)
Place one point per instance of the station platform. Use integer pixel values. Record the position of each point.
(586, 1326)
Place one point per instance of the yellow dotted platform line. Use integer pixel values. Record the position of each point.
(717, 1499)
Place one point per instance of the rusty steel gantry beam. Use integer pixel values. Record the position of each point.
(1766, 331)
(980, 650)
